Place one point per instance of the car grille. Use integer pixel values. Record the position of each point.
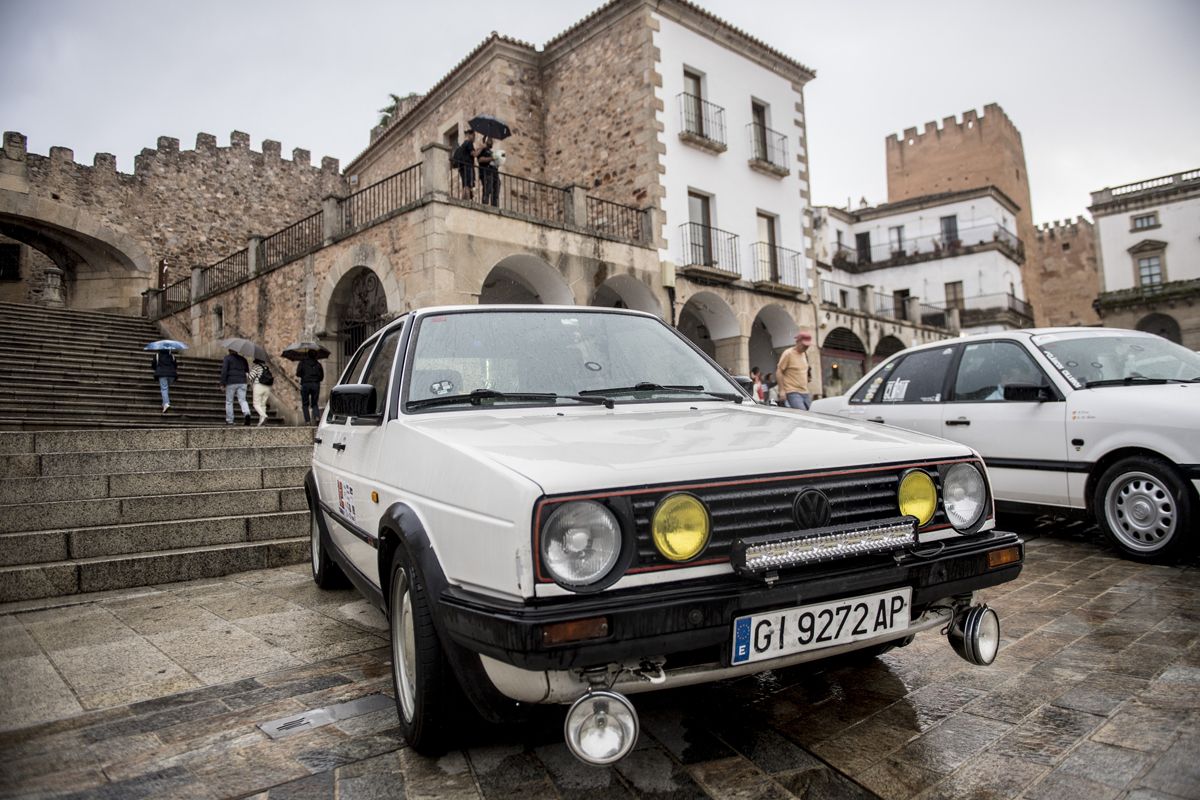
(763, 506)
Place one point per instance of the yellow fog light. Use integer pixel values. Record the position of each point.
(680, 527)
(918, 496)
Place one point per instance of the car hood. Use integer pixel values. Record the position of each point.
(592, 448)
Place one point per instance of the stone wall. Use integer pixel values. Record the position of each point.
(1068, 272)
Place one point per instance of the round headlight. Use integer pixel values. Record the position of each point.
(680, 527)
(580, 543)
(918, 496)
(964, 495)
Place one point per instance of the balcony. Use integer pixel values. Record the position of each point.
(841, 296)
(768, 151)
(708, 253)
(777, 269)
(1172, 291)
(701, 123)
(930, 248)
(988, 309)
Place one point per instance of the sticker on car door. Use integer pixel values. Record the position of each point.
(346, 500)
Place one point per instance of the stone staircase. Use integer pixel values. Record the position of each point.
(68, 369)
(86, 511)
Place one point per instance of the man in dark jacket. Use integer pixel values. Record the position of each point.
(463, 159)
(166, 370)
(311, 373)
(233, 381)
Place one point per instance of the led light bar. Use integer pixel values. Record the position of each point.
(763, 553)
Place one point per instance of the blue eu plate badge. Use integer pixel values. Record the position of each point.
(741, 641)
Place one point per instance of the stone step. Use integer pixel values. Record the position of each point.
(76, 334)
(28, 548)
(47, 489)
(46, 312)
(117, 462)
(97, 364)
(132, 416)
(109, 511)
(92, 441)
(57, 395)
(54, 579)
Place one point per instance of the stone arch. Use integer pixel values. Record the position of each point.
(709, 322)
(626, 291)
(843, 360)
(1163, 325)
(772, 332)
(886, 347)
(81, 245)
(357, 308)
(525, 279)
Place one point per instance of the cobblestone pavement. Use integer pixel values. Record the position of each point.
(158, 693)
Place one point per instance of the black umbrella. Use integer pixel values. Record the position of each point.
(490, 126)
(297, 351)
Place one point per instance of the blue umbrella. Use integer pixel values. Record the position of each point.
(166, 344)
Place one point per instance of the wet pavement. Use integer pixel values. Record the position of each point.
(159, 692)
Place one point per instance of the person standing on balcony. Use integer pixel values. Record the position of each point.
(310, 373)
(489, 173)
(233, 382)
(463, 159)
(262, 380)
(166, 370)
(793, 372)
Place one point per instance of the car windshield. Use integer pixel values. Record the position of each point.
(473, 358)
(1118, 360)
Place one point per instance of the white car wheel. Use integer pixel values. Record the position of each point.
(1145, 508)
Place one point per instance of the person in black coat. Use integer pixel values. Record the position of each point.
(310, 373)
(166, 370)
(463, 159)
(233, 381)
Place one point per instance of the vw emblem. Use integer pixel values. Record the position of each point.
(811, 509)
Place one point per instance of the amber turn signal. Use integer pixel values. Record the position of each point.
(575, 631)
(1003, 557)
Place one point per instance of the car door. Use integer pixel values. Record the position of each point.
(1023, 442)
(359, 467)
(907, 392)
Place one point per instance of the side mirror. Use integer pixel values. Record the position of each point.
(352, 400)
(1027, 393)
(747, 384)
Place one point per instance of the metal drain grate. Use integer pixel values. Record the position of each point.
(307, 720)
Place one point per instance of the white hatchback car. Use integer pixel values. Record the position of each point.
(1097, 420)
(557, 505)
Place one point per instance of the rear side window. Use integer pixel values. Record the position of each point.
(918, 378)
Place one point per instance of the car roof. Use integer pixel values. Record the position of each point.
(431, 310)
(1026, 334)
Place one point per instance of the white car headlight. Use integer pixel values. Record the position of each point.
(580, 543)
(964, 495)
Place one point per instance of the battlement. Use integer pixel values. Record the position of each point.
(1064, 229)
(166, 152)
(992, 120)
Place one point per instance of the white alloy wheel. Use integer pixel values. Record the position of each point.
(1141, 511)
(404, 645)
(315, 544)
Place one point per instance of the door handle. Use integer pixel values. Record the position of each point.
(316, 440)
(339, 446)
(958, 422)
(875, 419)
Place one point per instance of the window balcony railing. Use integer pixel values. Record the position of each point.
(768, 147)
(708, 247)
(778, 265)
(886, 306)
(987, 309)
(927, 248)
(840, 295)
(701, 120)
(1185, 291)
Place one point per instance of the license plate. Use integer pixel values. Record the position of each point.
(774, 634)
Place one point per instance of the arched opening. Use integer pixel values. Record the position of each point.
(887, 347)
(626, 291)
(1162, 325)
(843, 360)
(773, 331)
(357, 309)
(709, 323)
(524, 279)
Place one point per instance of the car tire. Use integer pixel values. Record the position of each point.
(427, 693)
(1145, 509)
(326, 573)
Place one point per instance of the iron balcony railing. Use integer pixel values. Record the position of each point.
(376, 201)
(933, 316)
(539, 201)
(840, 295)
(227, 272)
(293, 241)
(176, 297)
(701, 118)
(614, 219)
(885, 306)
(921, 248)
(767, 145)
(705, 246)
(774, 264)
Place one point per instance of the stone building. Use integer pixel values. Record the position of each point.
(1148, 236)
(1068, 272)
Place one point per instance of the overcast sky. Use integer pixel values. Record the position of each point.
(1104, 92)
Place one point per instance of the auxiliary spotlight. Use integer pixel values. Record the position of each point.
(601, 727)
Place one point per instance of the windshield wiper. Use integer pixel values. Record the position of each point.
(477, 396)
(645, 386)
(1137, 379)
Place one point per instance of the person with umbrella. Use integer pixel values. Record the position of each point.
(166, 369)
(310, 373)
(489, 159)
(463, 159)
(234, 370)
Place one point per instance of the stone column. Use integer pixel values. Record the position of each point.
(953, 320)
(197, 288)
(52, 281)
(435, 169)
(254, 257)
(576, 206)
(652, 221)
(734, 354)
(912, 310)
(331, 219)
(866, 299)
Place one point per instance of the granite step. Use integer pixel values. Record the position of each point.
(7, 308)
(19, 491)
(91, 441)
(117, 462)
(102, 573)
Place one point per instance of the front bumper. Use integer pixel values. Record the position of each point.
(693, 616)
